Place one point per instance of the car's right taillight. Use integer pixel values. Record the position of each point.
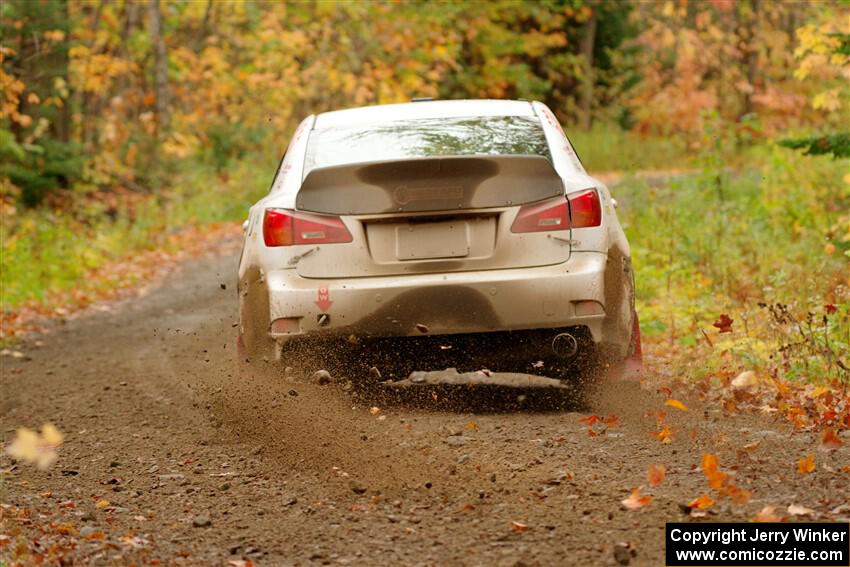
(577, 210)
(585, 209)
(283, 227)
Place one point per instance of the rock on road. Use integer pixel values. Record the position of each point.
(177, 452)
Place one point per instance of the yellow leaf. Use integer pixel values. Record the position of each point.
(676, 404)
(51, 435)
(102, 504)
(819, 391)
(807, 465)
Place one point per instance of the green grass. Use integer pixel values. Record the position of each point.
(773, 232)
(46, 251)
(608, 148)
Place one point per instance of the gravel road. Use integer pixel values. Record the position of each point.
(178, 453)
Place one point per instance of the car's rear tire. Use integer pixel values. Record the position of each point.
(254, 340)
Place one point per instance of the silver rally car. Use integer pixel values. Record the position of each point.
(436, 218)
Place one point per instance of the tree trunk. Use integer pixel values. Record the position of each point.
(160, 66)
(61, 126)
(587, 43)
(751, 60)
(86, 100)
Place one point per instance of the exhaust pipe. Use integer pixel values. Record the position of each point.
(565, 346)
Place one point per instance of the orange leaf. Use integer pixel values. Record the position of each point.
(611, 421)
(709, 463)
(590, 419)
(655, 475)
(830, 439)
(518, 527)
(702, 503)
(676, 404)
(716, 478)
(472, 426)
(807, 465)
(636, 500)
(739, 496)
(665, 435)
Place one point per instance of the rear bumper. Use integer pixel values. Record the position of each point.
(436, 304)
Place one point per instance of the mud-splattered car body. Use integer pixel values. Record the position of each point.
(437, 218)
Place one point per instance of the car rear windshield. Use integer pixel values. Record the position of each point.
(405, 139)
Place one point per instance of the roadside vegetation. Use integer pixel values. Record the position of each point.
(127, 128)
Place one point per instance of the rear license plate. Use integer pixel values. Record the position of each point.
(432, 240)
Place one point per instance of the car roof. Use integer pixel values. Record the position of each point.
(423, 110)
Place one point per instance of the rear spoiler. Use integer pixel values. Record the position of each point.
(429, 184)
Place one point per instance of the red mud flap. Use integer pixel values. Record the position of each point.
(633, 365)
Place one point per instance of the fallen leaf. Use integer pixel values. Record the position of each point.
(655, 475)
(724, 323)
(676, 404)
(830, 439)
(590, 420)
(739, 496)
(374, 410)
(39, 449)
(767, 514)
(102, 504)
(636, 500)
(819, 391)
(710, 467)
(796, 510)
(702, 503)
(611, 421)
(518, 527)
(665, 435)
(472, 426)
(806, 465)
(746, 380)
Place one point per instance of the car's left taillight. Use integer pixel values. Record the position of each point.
(283, 227)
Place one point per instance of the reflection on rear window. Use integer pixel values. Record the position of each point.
(486, 135)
